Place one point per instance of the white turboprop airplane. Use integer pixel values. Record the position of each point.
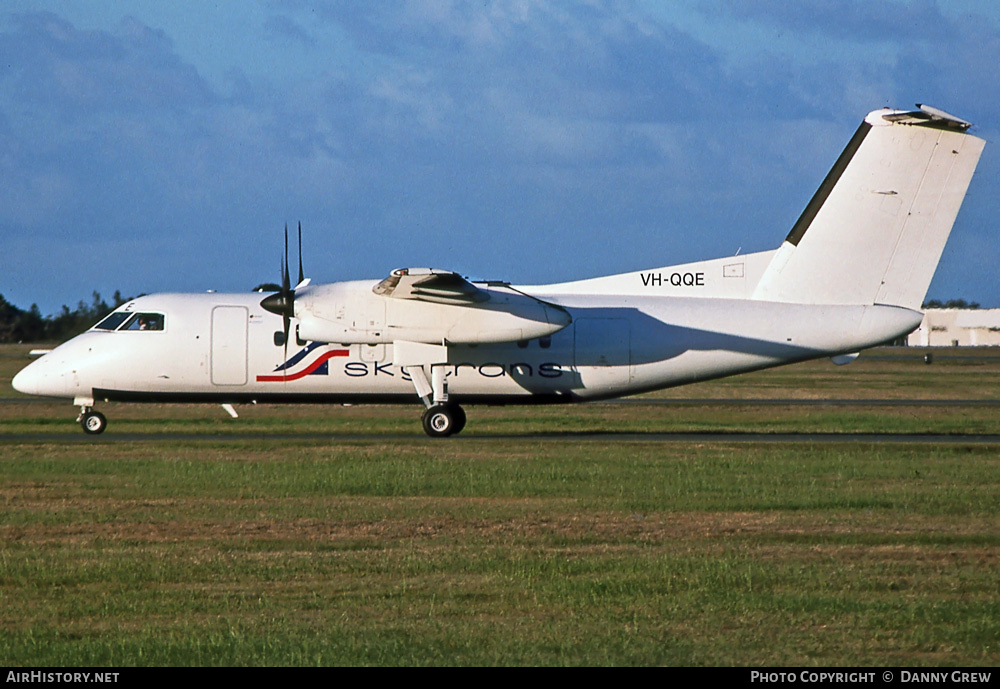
(851, 274)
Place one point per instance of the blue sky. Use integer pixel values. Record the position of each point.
(151, 146)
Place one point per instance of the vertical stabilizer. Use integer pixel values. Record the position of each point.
(874, 231)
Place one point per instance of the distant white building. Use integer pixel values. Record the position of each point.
(957, 328)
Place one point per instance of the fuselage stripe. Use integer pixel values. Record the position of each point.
(306, 371)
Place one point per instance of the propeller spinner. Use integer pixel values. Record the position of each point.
(282, 302)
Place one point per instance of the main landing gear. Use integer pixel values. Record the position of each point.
(442, 417)
(442, 420)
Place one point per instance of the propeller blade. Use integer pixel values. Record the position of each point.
(287, 324)
(301, 274)
(282, 302)
(286, 279)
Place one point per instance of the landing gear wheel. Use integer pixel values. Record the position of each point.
(441, 420)
(459, 414)
(93, 422)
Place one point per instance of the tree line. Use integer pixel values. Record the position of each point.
(950, 304)
(18, 325)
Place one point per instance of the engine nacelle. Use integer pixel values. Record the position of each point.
(350, 313)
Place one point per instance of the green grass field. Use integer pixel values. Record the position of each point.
(307, 545)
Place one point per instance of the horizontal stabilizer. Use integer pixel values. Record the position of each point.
(928, 116)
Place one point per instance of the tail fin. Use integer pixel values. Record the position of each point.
(875, 230)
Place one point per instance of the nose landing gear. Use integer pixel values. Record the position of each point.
(92, 422)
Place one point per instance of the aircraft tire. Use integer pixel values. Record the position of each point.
(94, 423)
(439, 421)
(459, 415)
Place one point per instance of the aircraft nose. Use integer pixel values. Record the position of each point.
(26, 380)
(42, 377)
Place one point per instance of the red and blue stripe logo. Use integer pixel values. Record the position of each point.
(313, 360)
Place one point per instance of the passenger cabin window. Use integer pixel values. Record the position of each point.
(123, 320)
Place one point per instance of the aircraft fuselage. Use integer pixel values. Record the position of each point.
(225, 348)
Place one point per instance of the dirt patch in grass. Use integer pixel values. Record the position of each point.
(407, 519)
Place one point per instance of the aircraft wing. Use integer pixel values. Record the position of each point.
(432, 285)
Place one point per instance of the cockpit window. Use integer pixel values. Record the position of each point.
(123, 320)
(144, 321)
(112, 321)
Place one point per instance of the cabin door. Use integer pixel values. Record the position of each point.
(229, 345)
